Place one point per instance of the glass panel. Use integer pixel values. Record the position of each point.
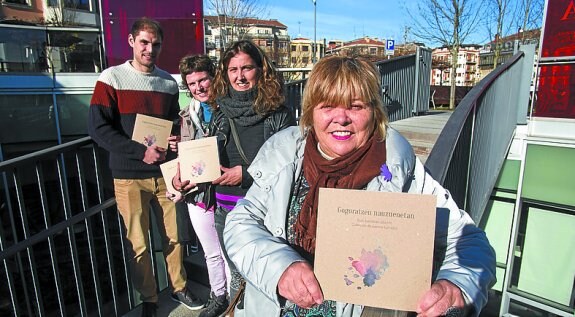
(549, 174)
(73, 110)
(498, 226)
(548, 260)
(22, 50)
(184, 100)
(509, 175)
(27, 118)
(74, 52)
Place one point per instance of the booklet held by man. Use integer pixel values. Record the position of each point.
(199, 160)
(374, 248)
(150, 130)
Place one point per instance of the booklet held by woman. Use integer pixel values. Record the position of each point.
(199, 160)
(375, 248)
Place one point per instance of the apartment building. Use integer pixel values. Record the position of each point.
(467, 72)
(508, 45)
(302, 52)
(271, 35)
(365, 46)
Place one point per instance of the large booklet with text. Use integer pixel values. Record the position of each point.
(199, 160)
(375, 248)
(149, 130)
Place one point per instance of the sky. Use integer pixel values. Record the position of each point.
(351, 19)
(340, 19)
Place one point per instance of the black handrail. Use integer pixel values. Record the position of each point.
(439, 159)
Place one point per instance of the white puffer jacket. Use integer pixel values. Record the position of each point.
(255, 231)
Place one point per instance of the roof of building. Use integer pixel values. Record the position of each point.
(529, 34)
(213, 19)
(364, 41)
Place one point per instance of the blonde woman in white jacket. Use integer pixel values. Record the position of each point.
(344, 138)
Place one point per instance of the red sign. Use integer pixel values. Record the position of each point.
(181, 21)
(556, 88)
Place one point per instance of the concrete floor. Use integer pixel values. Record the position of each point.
(422, 131)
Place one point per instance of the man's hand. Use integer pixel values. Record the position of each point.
(154, 154)
(299, 285)
(231, 176)
(179, 185)
(442, 295)
(173, 141)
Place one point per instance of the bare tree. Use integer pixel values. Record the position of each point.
(448, 23)
(232, 17)
(498, 21)
(530, 14)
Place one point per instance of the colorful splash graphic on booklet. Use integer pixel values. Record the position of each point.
(198, 168)
(368, 268)
(150, 140)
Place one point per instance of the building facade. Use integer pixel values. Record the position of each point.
(270, 35)
(302, 52)
(508, 45)
(366, 46)
(467, 72)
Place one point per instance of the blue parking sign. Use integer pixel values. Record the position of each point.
(390, 45)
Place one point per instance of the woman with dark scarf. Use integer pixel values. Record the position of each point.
(344, 141)
(247, 100)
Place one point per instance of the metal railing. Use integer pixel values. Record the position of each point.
(61, 244)
(405, 85)
(473, 145)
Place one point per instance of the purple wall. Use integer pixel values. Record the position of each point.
(181, 20)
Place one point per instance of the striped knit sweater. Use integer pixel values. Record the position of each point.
(121, 92)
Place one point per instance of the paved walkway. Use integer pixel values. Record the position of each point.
(422, 131)
(169, 308)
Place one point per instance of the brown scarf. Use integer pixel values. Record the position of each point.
(352, 171)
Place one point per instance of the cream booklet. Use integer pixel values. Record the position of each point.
(149, 130)
(199, 160)
(374, 248)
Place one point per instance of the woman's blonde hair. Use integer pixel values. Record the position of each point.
(269, 85)
(340, 80)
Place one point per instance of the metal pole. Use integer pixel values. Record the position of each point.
(314, 47)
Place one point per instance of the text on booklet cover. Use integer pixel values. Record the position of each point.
(375, 248)
(150, 130)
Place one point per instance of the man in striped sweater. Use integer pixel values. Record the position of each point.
(123, 91)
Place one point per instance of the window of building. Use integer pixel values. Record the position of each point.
(305, 48)
(24, 2)
(74, 52)
(294, 60)
(373, 50)
(293, 48)
(35, 50)
(305, 60)
(77, 4)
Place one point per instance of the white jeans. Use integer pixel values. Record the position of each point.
(203, 222)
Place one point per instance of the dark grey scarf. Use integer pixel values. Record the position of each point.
(239, 106)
